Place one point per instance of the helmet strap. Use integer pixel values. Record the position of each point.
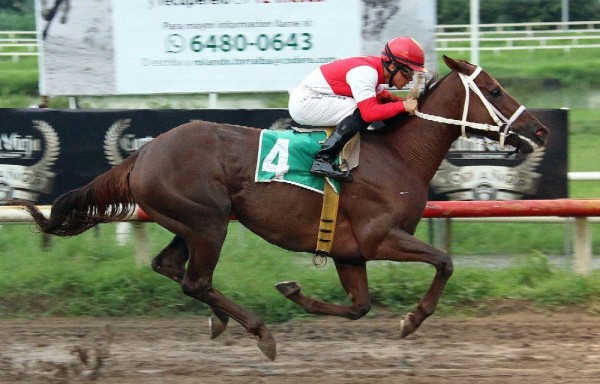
(391, 72)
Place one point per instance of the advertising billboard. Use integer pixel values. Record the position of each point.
(106, 47)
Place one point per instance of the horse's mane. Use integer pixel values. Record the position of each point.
(430, 85)
(394, 122)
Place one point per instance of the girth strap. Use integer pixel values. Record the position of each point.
(328, 220)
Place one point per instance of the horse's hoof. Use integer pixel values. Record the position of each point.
(216, 326)
(406, 326)
(266, 343)
(288, 288)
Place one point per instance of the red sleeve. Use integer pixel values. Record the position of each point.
(385, 97)
(371, 110)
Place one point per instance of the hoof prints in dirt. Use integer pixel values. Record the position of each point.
(505, 347)
(82, 361)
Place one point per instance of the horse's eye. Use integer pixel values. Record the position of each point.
(496, 92)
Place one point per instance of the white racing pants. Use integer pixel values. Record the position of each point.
(308, 107)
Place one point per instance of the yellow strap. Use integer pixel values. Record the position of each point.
(328, 217)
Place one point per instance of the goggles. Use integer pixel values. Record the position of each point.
(406, 71)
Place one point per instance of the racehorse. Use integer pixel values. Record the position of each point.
(192, 178)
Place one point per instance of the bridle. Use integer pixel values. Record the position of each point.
(502, 123)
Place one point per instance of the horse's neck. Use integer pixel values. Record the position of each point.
(423, 144)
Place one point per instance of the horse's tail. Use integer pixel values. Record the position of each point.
(105, 199)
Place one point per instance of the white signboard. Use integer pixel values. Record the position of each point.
(228, 46)
(199, 46)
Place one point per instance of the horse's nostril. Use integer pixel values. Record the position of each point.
(541, 133)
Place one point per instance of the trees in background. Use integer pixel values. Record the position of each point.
(516, 11)
(19, 6)
(18, 14)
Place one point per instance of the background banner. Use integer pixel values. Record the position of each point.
(45, 153)
(199, 46)
(474, 171)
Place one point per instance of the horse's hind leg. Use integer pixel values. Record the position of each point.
(197, 282)
(354, 280)
(170, 262)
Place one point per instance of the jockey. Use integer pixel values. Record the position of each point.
(350, 94)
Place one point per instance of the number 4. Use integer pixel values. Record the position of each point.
(280, 148)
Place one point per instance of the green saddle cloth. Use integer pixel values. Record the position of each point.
(286, 156)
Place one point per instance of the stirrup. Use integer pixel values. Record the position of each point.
(326, 169)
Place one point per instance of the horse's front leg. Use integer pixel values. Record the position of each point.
(354, 280)
(399, 245)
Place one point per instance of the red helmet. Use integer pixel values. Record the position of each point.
(405, 50)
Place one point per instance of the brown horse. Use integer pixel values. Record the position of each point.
(193, 177)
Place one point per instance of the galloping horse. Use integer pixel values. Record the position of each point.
(193, 177)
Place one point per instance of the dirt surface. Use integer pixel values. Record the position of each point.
(525, 346)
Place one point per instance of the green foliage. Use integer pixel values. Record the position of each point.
(17, 15)
(516, 11)
(17, 6)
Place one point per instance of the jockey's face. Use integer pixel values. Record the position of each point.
(401, 78)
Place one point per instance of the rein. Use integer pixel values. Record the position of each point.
(503, 124)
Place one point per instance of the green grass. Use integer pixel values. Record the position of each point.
(18, 79)
(91, 275)
(579, 66)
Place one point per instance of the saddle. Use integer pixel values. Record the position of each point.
(285, 155)
(349, 155)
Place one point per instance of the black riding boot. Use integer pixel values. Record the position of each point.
(324, 159)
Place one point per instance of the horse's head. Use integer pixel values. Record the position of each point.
(492, 112)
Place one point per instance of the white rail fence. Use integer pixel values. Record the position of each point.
(583, 176)
(18, 43)
(449, 37)
(520, 36)
(578, 235)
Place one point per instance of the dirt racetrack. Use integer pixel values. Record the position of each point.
(515, 346)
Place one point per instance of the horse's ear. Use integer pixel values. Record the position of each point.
(451, 63)
(458, 65)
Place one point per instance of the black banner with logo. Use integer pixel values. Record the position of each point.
(45, 153)
(474, 171)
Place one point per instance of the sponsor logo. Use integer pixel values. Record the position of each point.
(118, 144)
(28, 181)
(471, 174)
